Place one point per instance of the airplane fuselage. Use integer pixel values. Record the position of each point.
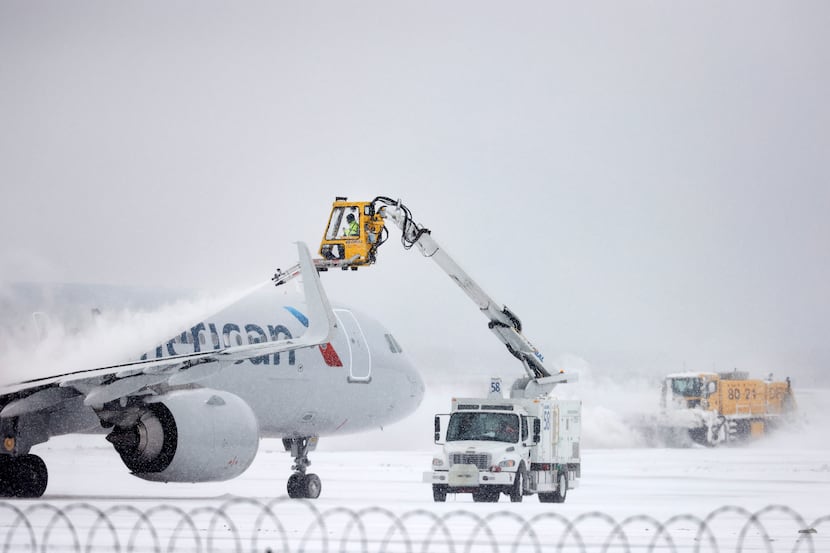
(194, 407)
(360, 380)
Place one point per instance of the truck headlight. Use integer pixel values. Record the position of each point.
(436, 462)
(507, 463)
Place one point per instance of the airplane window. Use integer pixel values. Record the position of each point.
(394, 346)
(397, 345)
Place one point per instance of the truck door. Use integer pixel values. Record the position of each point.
(359, 358)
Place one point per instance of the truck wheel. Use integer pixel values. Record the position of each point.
(439, 493)
(561, 489)
(517, 491)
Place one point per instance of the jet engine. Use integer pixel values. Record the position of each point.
(200, 435)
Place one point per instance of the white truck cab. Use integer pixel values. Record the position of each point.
(513, 446)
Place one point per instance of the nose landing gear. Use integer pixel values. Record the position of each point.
(304, 486)
(300, 484)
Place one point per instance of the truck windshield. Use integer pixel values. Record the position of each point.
(686, 387)
(494, 427)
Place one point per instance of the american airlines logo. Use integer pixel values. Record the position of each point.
(207, 336)
(326, 350)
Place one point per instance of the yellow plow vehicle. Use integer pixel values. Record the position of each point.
(715, 408)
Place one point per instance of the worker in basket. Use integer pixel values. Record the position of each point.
(352, 228)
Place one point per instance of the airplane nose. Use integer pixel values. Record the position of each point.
(417, 387)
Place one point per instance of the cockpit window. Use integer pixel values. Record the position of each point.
(394, 346)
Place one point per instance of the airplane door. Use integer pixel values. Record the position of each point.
(359, 357)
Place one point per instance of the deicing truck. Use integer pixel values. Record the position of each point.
(541, 453)
(516, 447)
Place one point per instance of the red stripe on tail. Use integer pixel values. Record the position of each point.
(330, 356)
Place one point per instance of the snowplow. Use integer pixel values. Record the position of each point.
(716, 408)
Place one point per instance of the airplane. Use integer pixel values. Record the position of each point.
(194, 408)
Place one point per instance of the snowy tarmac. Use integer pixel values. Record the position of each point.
(383, 489)
(759, 496)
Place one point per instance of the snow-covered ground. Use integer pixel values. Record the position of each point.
(396, 510)
(374, 498)
(620, 482)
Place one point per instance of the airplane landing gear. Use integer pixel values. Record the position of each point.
(300, 484)
(304, 486)
(24, 476)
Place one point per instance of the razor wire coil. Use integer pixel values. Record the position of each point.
(287, 526)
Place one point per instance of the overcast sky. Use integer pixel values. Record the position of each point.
(645, 184)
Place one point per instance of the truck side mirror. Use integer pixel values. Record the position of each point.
(438, 434)
(537, 431)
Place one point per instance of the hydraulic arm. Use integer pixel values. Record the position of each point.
(350, 246)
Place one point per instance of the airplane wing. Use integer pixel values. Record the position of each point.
(104, 384)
